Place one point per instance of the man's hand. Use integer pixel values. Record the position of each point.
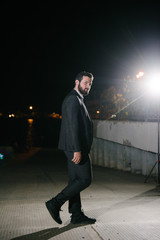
(77, 157)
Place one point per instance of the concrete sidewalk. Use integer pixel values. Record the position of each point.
(125, 207)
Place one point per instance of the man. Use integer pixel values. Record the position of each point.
(75, 140)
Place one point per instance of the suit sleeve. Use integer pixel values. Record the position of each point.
(72, 118)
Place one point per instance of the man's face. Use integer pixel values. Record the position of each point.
(85, 85)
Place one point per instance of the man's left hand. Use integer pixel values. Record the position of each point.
(77, 157)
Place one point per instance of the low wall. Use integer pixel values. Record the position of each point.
(128, 146)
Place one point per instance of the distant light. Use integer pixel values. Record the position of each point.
(55, 115)
(30, 120)
(11, 115)
(1, 156)
(98, 112)
(140, 74)
(31, 107)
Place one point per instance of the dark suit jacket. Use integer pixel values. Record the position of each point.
(76, 133)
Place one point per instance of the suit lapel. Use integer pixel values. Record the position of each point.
(86, 111)
(81, 101)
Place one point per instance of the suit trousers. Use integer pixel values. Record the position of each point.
(80, 177)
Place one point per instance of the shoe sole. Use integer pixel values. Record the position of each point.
(50, 211)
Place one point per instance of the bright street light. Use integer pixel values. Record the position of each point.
(153, 84)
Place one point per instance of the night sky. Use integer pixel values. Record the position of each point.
(44, 46)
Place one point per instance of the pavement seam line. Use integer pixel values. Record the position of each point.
(97, 233)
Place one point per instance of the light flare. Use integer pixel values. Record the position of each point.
(153, 85)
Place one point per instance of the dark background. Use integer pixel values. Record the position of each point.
(45, 45)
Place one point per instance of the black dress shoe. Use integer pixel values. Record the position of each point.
(54, 210)
(82, 219)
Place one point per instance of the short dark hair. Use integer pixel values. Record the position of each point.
(84, 73)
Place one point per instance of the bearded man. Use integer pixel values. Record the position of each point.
(76, 135)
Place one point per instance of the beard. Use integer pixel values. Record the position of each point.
(84, 92)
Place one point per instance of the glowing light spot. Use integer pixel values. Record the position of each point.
(30, 120)
(140, 74)
(1, 156)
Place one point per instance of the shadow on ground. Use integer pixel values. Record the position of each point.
(48, 233)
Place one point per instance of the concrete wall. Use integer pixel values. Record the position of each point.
(128, 146)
